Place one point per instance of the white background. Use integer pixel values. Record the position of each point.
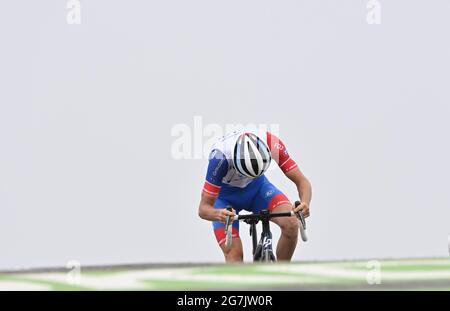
(86, 112)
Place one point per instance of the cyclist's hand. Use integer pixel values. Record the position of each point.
(223, 213)
(304, 208)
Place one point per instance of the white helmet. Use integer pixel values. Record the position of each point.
(251, 156)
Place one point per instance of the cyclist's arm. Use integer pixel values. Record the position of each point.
(303, 185)
(217, 169)
(291, 170)
(280, 154)
(206, 208)
(207, 211)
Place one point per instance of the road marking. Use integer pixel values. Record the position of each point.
(22, 286)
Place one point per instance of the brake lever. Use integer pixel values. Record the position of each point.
(302, 223)
(228, 232)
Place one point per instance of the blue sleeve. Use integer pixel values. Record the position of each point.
(217, 168)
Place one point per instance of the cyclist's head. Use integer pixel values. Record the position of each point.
(251, 156)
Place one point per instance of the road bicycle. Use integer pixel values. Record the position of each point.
(262, 250)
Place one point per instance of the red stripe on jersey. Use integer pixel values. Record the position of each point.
(211, 189)
(288, 165)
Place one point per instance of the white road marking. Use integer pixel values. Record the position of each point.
(22, 286)
(333, 271)
(135, 279)
(300, 274)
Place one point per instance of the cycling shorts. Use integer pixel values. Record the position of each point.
(258, 195)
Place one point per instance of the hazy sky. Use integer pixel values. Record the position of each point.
(87, 113)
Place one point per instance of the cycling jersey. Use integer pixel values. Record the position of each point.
(221, 171)
(238, 191)
(258, 195)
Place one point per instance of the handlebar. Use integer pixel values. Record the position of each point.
(260, 217)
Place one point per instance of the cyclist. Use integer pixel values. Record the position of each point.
(235, 178)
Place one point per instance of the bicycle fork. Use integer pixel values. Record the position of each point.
(264, 251)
